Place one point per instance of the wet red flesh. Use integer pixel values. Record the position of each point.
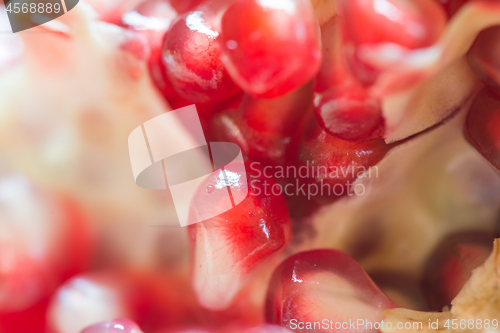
(191, 58)
(342, 106)
(311, 286)
(265, 61)
(228, 247)
(409, 24)
(334, 164)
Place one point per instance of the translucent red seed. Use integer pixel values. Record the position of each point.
(482, 124)
(226, 248)
(264, 60)
(333, 164)
(342, 106)
(191, 58)
(409, 23)
(312, 286)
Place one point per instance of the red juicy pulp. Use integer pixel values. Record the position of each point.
(254, 229)
(300, 276)
(227, 248)
(451, 265)
(342, 106)
(324, 154)
(484, 58)
(191, 57)
(482, 124)
(410, 23)
(267, 130)
(265, 61)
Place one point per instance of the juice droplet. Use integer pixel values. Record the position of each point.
(210, 189)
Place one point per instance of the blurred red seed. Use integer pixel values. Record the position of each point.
(482, 124)
(484, 58)
(265, 58)
(409, 24)
(451, 265)
(311, 286)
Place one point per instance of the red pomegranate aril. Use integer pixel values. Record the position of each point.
(191, 57)
(44, 240)
(228, 247)
(482, 124)
(451, 265)
(312, 286)
(333, 164)
(342, 106)
(484, 58)
(267, 130)
(265, 58)
(121, 325)
(409, 23)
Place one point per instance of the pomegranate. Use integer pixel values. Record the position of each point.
(360, 106)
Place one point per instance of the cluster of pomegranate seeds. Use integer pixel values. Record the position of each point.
(341, 104)
(228, 247)
(264, 60)
(402, 24)
(483, 121)
(452, 263)
(311, 286)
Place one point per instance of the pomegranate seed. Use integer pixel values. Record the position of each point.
(34, 219)
(122, 325)
(333, 164)
(266, 60)
(483, 58)
(191, 57)
(266, 137)
(89, 299)
(452, 6)
(311, 286)
(226, 248)
(451, 265)
(342, 106)
(409, 24)
(482, 126)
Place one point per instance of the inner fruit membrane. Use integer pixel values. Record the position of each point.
(369, 180)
